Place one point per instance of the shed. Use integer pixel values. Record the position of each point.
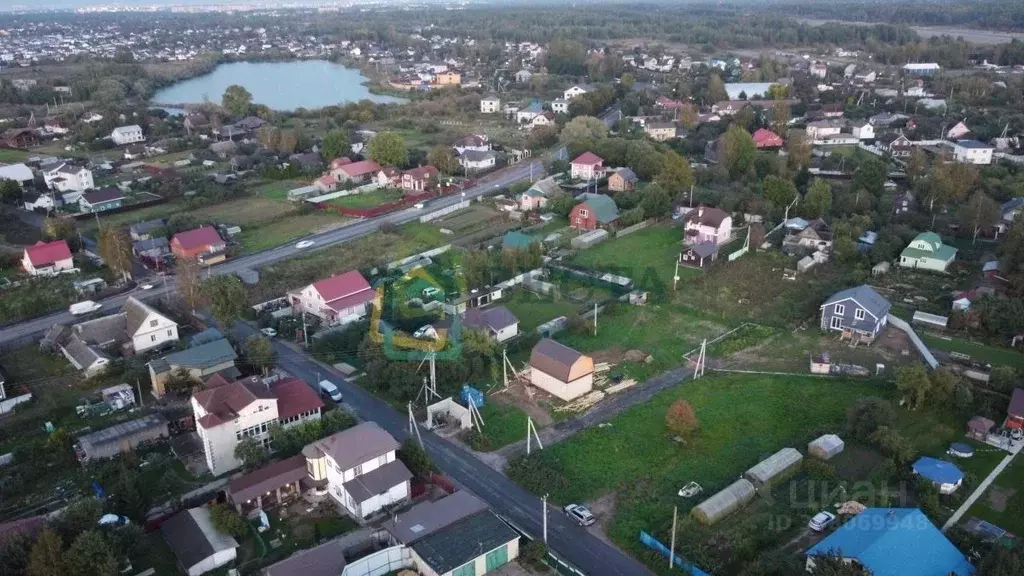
(775, 467)
(979, 428)
(560, 370)
(825, 447)
(197, 544)
(725, 502)
(880, 268)
(121, 437)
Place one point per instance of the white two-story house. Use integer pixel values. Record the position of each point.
(359, 468)
(127, 135)
(708, 225)
(68, 177)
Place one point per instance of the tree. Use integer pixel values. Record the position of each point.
(893, 444)
(688, 115)
(871, 176)
(14, 552)
(90, 555)
(287, 141)
(443, 158)
(251, 453)
(115, 248)
(1003, 379)
(237, 100)
(627, 81)
(189, 280)
(1001, 561)
(739, 151)
(561, 205)
(226, 520)
(979, 213)
(914, 385)
(867, 415)
(388, 149)
(415, 458)
(716, 89)
(533, 554)
(681, 419)
(818, 200)
(269, 136)
(676, 176)
(58, 228)
(584, 129)
(259, 352)
(917, 164)
(780, 116)
(799, 149)
(779, 192)
(950, 182)
(10, 191)
(335, 145)
(47, 555)
(655, 203)
(128, 497)
(833, 565)
(227, 298)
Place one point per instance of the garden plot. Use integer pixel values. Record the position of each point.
(368, 200)
(475, 218)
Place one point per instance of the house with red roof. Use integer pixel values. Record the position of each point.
(586, 166)
(227, 413)
(47, 258)
(418, 179)
(353, 171)
(326, 183)
(764, 138)
(666, 103)
(336, 300)
(389, 177)
(203, 243)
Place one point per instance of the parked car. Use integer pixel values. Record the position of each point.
(580, 514)
(268, 332)
(821, 521)
(304, 244)
(1017, 434)
(330, 390)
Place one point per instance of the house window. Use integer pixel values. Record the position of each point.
(168, 332)
(382, 460)
(859, 314)
(840, 309)
(357, 470)
(153, 323)
(837, 323)
(584, 214)
(152, 338)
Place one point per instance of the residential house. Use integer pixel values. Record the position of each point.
(545, 118)
(419, 180)
(32, 201)
(898, 146)
(1015, 412)
(586, 166)
(145, 230)
(958, 131)
(243, 128)
(20, 173)
(359, 469)
(577, 90)
(666, 103)
(660, 131)
(272, 485)
(336, 300)
(354, 171)
(448, 78)
(524, 76)
(816, 235)
(19, 137)
(903, 203)
(527, 114)
(496, 321)
(203, 243)
(764, 138)
(866, 78)
(47, 258)
(972, 152)
(475, 161)
(388, 178)
(67, 177)
(200, 361)
(944, 475)
(560, 370)
(127, 135)
(594, 211)
(1008, 213)
(863, 130)
(560, 106)
(197, 122)
(229, 412)
(490, 105)
(224, 149)
(893, 542)
(699, 255)
(622, 180)
(155, 248)
(822, 128)
(536, 198)
(454, 536)
(197, 544)
(104, 199)
(818, 69)
(927, 252)
(859, 310)
(326, 183)
(135, 152)
(708, 225)
(925, 69)
(887, 118)
(475, 142)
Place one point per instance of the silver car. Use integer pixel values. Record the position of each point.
(821, 521)
(580, 514)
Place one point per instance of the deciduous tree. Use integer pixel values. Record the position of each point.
(681, 420)
(259, 352)
(779, 192)
(688, 115)
(251, 453)
(584, 129)
(10, 191)
(388, 149)
(676, 176)
(867, 415)
(115, 248)
(979, 213)
(780, 117)
(90, 555)
(236, 100)
(818, 200)
(227, 298)
(914, 385)
(443, 158)
(716, 88)
(656, 203)
(799, 149)
(226, 520)
(47, 555)
(189, 281)
(739, 151)
(335, 145)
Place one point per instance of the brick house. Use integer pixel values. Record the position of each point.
(418, 179)
(593, 212)
(203, 243)
(622, 180)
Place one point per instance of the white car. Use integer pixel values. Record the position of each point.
(268, 332)
(304, 244)
(821, 521)
(580, 514)
(1017, 434)
(146, 287)
(418, 206)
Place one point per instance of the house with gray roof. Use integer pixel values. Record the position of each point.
(152, 248)
(200, 362)
(145, 230)
(197, 544)
(496, 321)
(859, 310)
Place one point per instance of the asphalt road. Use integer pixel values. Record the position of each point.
(37, 326)
(571, 542)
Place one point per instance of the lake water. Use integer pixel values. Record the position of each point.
(281, 86)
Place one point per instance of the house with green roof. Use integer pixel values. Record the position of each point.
(927, 252)
(516, 240)
(593, 211)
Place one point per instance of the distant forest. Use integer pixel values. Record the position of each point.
(1006, 15)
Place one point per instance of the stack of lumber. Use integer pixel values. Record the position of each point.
(620, 386)
(583, 402)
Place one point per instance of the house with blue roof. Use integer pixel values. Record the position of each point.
(859, 310)
(945, 475)
(893, 542)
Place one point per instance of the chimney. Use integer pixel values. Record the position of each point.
(700, 212)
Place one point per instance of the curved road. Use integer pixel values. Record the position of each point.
(358, 229)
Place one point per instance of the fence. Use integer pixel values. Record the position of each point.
(426, 254)
(635, 227)
(678, 561)
(378, 210)
(342, 193)
(444, 211)
(925, 352)
(125, 208)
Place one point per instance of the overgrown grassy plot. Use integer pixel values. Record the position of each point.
(503, 425)
(648, 257)
(369, 199)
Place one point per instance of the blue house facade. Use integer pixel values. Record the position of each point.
(860, 310)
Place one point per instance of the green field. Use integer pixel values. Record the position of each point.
(647, 256)
(278, 189)
(1008, 487)
(503, 425)
(532, 309)
(12, 155)
(978, 352)
(245, 211)
(283, 230)
(368, 199)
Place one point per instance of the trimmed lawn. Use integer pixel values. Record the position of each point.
(648, 257)
(503, 424)
(369, 199)
(532, 309)
(165, 210)
(978, 352)
(278, 189)
(285, 230)
(11, 155)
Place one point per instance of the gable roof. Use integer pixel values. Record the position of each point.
(627, 174)
(193, 538)
(476, 155)
(152, 243)
(135, 313)
(356, 445)
(939, 251)
(421, 173)
(864, 295)
(345, 290)
(360, 168)
(463, 541)
(263, 480)
(327, 559)
(554, 359)
(602, 205)
(377, 481)
(495, 318)
(1017, 402)
(425, 518)
(294, 397)
(202, 356)
(940, 471)
(763, 136)
(46, 253)
(103, 195)
(224, 403)
(198, 238)
(588, 159)
(147, 226)
(712, 217)
(896, 541)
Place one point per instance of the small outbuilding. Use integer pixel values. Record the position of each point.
(960, 450)
(776, 467)
(728, 500)
(560, 370)
(825, 447)
(197, 544)
(979, 428)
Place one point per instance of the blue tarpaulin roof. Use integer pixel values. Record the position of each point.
(938, 471)
(895, 542)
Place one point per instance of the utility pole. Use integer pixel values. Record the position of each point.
(595, 318)
(305, 341)
(672, 550)
(138, 387)
(691, 195)
(530, 428)
(544, 502)
(413, 428)
(675, 278)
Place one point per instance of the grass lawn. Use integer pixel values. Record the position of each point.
(36, 297)
(164, 210)
(977, 352)
(278, 189)
(369, 199)
(1008, 489)
(285, 230)
(245, 211)
(503, 424)
(648, 257)
(532, 309)
(11, 155)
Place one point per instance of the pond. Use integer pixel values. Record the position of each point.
(282, 86)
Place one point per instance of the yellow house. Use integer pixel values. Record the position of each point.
(449, 78)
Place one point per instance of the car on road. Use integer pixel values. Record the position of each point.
(330, 390)
(821, 521)
(304, 244)
(268, 332)
(146, 287)
(419, 205)
(580, 514)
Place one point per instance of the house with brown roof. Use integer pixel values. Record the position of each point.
(388, 177)
(47, 258)
(336, 300)
(560, 370)
(227, 413)
(269, 486)
(418, 179)
(622, 180)
(359, 468)
(203, 243)
(498, 322)
(708, 225)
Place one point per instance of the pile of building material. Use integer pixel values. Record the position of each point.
(620, 386)
(583, 402)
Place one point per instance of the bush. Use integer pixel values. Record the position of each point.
(536, 475)
(681, 419)
(893, 444)
(226, 520)
(415, 458)
(819, 469)
(533, 554)
(867, 415)
(478, 441)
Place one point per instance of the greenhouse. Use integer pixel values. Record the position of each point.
(730, 499)
(825, 447)
(775, 467)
